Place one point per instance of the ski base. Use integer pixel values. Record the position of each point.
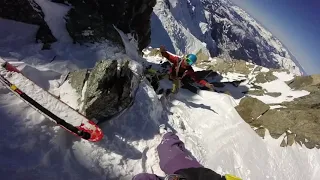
(88, 131)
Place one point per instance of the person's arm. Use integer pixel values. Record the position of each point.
(145, 176)
(172, 58)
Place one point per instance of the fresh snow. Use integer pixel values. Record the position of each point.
(279, 85)
(277, 107)
(219, 138)
(54, 14)
(283, 76)
(31, 147)
(69, 95)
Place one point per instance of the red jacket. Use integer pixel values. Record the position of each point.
(183, 70)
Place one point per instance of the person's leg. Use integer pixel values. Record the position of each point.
(173, 155)
(176, 86)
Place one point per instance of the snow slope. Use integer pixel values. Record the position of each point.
(207, 123)
(32, 147)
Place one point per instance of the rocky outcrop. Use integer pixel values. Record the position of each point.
(91, 21)
(106, 90)
(299, 120)
(264, 77)
(88, 20)
(223, 66)
(308, 83)
(202, 56)
(29, 12)
(250, 109)
(78, 79)
(273, 94)
(257, 92)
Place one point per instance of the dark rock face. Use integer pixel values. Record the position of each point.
(29, 12)
(93, 20)
(108, 88)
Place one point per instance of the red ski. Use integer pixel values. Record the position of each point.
(73, 122)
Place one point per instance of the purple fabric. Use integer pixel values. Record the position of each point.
(173, 155)
(145, 176)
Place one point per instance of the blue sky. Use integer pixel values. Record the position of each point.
(295, 22)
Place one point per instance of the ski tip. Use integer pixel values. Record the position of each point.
(97, 135)
(95, 132)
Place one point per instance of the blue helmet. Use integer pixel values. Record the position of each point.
(191, 59)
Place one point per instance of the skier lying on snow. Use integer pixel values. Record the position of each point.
(181, 67)
(178, 164)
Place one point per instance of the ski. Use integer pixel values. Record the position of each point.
(90, 132)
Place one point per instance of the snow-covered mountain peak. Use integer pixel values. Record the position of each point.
(219, 28)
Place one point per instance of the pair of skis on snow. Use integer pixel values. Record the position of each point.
(82, 127)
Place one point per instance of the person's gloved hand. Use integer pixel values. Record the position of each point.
(210, 86)
(162, 48)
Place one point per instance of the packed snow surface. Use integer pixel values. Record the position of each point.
(280, 86)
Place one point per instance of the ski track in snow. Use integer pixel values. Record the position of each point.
(31, 147)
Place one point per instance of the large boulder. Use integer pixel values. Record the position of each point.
(29, 12)
(299, 120)
(304, 124)
(106, 90)
(311, 101)
(251, 109)
(235, 66)
(264, 77)
(91, 21)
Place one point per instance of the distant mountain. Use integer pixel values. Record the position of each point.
(219, 28)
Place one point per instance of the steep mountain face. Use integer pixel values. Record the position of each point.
(225, 30)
